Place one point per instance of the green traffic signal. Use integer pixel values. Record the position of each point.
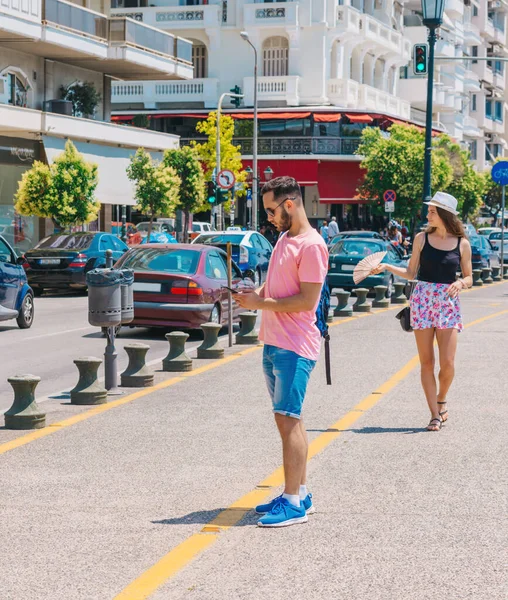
(236, 101)
(210, 188)
(420, 59)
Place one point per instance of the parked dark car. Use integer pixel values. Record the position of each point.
(347, 253)
(483, 253)
(62, 260)
(180, 285)
(355, 234)
(250, 250)
(16, 296)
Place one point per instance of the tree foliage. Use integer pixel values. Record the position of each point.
(157, 186)
(84, 97)
(192, 197)
(492, 199)
(63, 192)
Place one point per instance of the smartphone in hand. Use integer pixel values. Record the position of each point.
(230, 289)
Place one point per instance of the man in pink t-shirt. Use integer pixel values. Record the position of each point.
(289, 299)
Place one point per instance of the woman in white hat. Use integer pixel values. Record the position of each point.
(438, 253)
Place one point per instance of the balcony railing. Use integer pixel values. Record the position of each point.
(123, 30)
(72, 17)
(294, 145)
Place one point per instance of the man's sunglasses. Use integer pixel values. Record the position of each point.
(271, 211)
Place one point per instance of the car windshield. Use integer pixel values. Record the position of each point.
(211, 239)
(176, 260)
(359, 247)
(67, 242)
(497, 235)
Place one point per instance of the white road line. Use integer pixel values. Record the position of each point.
(43, 335)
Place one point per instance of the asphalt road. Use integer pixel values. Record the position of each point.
(60, 334)
(151, 495)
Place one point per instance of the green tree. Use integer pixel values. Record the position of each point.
(84, 97)
(192, 198)
(63, 192)
(157, 186)
(395, 161)
(230, 155)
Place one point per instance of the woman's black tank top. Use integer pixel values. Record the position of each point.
(438, 266)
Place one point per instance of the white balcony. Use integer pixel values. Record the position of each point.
(281, 14)
(471, 81)
(375, 31)
(414, 91)
(483, 71)
(471, 128)
(161, 94)
(273, 89)
(351, 94)
(444, 99)
(176, 18)
(19, 20)
(454, 8)
(472, 35)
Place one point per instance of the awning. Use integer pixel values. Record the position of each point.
(304, 171)
(281, 115)
(359, 118)
(338, 181)
(122, 117)
(327, 117)
(419, 127)
(114, 187)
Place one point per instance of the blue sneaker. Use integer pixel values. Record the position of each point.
(262, 509)
(282, 514)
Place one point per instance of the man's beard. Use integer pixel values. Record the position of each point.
(286, 221)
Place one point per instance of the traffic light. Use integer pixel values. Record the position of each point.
(210, 191)
(236, 101)
(420, 59)
(222, 195)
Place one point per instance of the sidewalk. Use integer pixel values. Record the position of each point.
(402, 513)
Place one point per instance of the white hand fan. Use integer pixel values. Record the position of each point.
(365, 266)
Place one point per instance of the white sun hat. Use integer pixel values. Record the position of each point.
(444, 201)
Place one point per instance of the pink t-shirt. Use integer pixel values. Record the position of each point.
(303, 258)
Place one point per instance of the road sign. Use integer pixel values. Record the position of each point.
(226, 179)
(499, 172)
(389, 196)
(389, 207)
(249, 194)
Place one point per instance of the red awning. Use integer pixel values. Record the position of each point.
(359, 118)
(122, 117)
(419, 127)
(327, 117)
(282, 115)
(338, 182)
(304, 171)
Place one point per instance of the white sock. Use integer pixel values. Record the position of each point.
(303, 492)
(294, 500)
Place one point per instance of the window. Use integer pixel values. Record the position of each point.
(5, 253)
(14, 88)
(473, 149)
(199, 60)
(275, 57)
(499, 111)
(474, 52)
(473, 103)
(488, 109)
(475, 10)
(216, 267)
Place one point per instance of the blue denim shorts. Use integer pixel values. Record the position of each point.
(287, 375)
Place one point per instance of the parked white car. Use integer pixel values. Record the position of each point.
(488, 230)
(495, 240)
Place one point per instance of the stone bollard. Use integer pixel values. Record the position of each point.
(477, 278)
(505, 272)
(361, 304)
(486, 275)
(137, 374)
(88, 390)
(398, 296)
(343, 309)
(496, 273)
(247, 333)
(380, 301)
(210, 347)
(177, 359)
(24, 412)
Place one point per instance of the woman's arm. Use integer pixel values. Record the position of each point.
(414, 262)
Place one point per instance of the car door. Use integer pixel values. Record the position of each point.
(118, 247)
(216, 269)
(10, 277)
(258, 251)
(492, 255)
(267, 251)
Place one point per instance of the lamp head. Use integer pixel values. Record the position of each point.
(433, 12)
(244, 35)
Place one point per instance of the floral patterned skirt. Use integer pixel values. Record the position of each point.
(431, 307)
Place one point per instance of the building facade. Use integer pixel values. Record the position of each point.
(49, 46)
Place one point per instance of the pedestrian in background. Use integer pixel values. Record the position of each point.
(438, 253)
(333, 228)
(289, 299)
(324, 231)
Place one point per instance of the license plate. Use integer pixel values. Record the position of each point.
(348, 267)
(146, 287)
(49, 261)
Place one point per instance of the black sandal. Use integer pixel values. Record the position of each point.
(442, 414)
(439, 421)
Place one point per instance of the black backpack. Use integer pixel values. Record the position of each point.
(322, 324)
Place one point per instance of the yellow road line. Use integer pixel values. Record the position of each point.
(149, 581)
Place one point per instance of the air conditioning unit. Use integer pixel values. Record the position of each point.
(59, 107)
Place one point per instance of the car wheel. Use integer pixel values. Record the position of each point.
(389, 288)
(26, 314)
(38, 292)
(215, 315)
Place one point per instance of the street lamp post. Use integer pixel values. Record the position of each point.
(432, 19)
(255, 184)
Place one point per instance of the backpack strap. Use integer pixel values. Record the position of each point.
(327, 360)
